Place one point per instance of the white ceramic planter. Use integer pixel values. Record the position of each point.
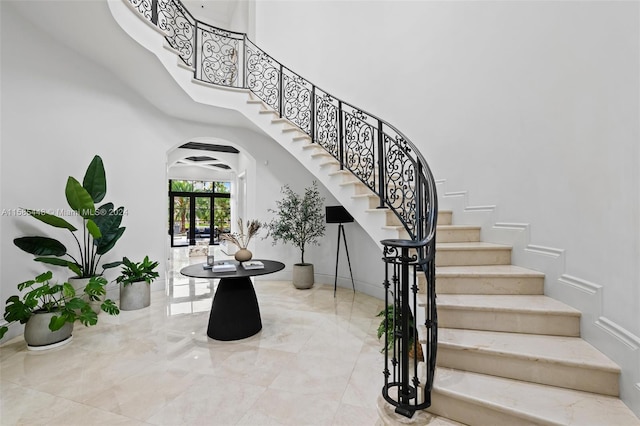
(135, 296)
(79, 284)
(39, 337)
(303, 277)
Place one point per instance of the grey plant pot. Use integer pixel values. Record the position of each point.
(79, 284)
(303, 277)
(135, 296)
(39, 337)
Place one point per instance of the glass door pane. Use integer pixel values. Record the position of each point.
(203, 219)
(221, 217)
(181, 216)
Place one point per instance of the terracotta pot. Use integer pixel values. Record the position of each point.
(243, 255)
(303, 277)
(39, 337)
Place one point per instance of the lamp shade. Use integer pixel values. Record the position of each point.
(338, 214)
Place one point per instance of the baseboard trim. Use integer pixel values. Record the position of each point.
(621, 334)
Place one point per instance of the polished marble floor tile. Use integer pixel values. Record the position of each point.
(316, 361)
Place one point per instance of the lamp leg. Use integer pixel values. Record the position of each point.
(348, 260)
(335, 282)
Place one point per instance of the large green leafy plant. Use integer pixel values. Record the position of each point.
(43, 296)
(299, 219)
(98, 234)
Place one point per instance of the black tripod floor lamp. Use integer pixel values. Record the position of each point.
(340, 215)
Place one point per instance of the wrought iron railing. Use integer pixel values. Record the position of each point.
(380, 156)
(404, 385)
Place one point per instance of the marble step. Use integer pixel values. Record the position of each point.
(486, 279)
(533, 314)
(388, 417)
(457, 234)
(567, 362)
(480, 399)
(445, 217)
(474, 253)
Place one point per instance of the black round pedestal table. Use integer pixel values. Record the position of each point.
(235, 313)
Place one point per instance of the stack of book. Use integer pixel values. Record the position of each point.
(221, 266)
(253, 264)
(224, 266)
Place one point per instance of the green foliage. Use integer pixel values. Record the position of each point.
(100, 231)
(391, 320)
(299, 219)
(42, 296)
(132, 272)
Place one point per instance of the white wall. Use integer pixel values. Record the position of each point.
(530, 106)
(59, 109)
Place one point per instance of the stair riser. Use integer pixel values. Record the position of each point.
(445, 217)
(458, 235)
(476, 257)
(488, 285)
(515, 322)
(472, 414)
(536, 371)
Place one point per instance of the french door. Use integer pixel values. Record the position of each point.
(197, 216)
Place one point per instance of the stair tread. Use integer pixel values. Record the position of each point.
(471, 246)
(450, 227)
(534, 401)
(513, 303)
(496, 271)
(535, 347)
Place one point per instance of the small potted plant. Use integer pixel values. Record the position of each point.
(50, 310)
(242, 239)
(299, 221)
(135, 283)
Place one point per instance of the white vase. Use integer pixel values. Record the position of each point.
(303, 277)
(78, 285)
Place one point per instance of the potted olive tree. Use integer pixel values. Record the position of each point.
(299, 221)
(135, 283)
(49, 310)
(99, 231)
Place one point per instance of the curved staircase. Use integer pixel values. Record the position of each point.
(508, 355)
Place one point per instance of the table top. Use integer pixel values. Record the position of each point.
(198, 271)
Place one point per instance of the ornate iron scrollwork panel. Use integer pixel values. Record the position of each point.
(218, 56)
(326, 122)
(144, 8)
(296, 100)
(400, 183)
(360, 142)
(179, 25)
(263, 76)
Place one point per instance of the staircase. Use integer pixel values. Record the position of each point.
(507, 354)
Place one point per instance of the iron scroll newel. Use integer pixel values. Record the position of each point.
(379, 155)
(407, 386)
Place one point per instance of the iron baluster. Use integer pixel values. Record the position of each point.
(381, 173)
(280, 93)
(154, 12)
(341, 135)
(313, 114)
